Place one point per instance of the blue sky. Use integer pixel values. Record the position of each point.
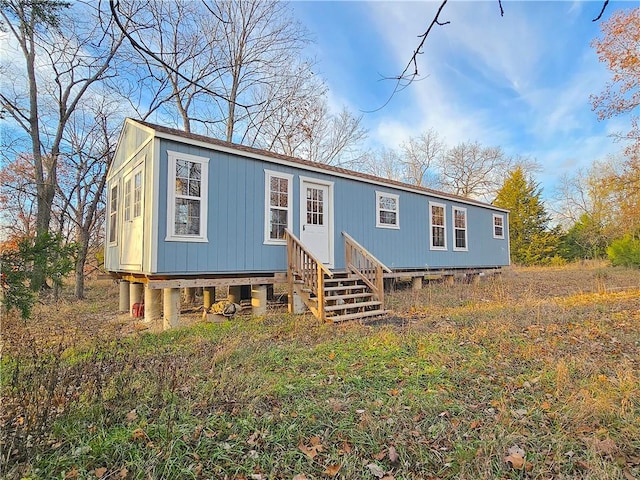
(521, 81)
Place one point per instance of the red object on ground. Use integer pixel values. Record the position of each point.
(137, 310)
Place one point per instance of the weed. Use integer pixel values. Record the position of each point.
(539, 358)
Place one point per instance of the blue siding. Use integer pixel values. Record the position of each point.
(236, 222)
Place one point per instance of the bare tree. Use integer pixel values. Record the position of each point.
(295, 120)
(174, 62)
(64, 56)
(260, 42)
(420, 157)
(471, 170)
(91, 138)
(384, 163)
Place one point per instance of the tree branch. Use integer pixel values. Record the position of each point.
(604, 7)
(405, 79)
(114, 5)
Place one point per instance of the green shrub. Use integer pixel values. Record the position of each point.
(625, 252)
(44, 256)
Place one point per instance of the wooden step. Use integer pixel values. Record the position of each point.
(357, 316)
(329, 281)
(348, 306)
(348, 296)
(344, 287)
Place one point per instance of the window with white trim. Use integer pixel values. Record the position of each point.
(387, 210)
(137, 194)
(437, 232)
(127, 200)
(498, 226)
(113, 215)
(459, 228)
(187, 197)
(278, 191)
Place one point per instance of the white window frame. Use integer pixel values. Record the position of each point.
(171, 197)
(126, 198)
(443, 226)
(136, 194)
(501, 217)
(455, 229)
(268, 175)
(379, 224)
(113, 214)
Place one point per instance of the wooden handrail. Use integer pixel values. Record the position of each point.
(308, 269)
(365, 265)
(366, 252)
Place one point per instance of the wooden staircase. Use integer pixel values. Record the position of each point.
(347, 297)
(355, 294)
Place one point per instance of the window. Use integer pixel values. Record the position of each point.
(187, 197)
(498, 226)
(438, 238)
(387, 210)
(113, 215)
(137, 195)
(278, 206)
(127, 200)
(459, 228)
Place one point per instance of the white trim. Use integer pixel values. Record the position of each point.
(455, 209)
(394, 226)
(303, 203)
(493, 226)
(444, 226)
(152, 133)
(153, 213)
(171, 196)
(118, 214)
(268, 175)
(319, 169)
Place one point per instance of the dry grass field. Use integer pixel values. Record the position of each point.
(534, 373)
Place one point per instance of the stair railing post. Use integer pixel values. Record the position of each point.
(320, 295)
(380, 284)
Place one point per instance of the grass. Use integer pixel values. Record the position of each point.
(546, 359)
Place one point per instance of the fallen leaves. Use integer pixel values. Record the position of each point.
(312, 449)
(100, 472)
(515, 458)
(376, 470)
(393, 454)
(332, 470)
(605, 447)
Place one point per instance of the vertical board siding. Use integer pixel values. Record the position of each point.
(236, 222)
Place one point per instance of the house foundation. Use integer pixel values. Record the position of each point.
(123, 297)
(416, 283)
(235, 294)
(171, 308)
(189, 295)
(208, 296)
(296, 304)
(152, 304)
(259, 299)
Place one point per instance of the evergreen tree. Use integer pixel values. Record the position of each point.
(584, 240)
(531, 240)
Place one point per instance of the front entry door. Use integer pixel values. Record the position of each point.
(132, 241)
(316, 221)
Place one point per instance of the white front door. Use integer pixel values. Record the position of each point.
(316, 219)
(133, 199)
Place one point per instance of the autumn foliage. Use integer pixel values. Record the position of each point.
(618, 49)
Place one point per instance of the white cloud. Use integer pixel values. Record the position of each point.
(496, 80)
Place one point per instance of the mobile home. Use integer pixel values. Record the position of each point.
(185, 210)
